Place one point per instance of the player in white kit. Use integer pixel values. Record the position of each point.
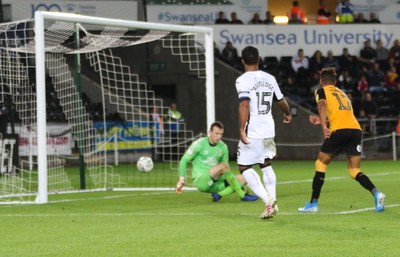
(257, 90)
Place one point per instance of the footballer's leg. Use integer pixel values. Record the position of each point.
(204, 182)
(224, 192)
(355, 172)
(220, 189)
(330, 148)
(318, 181)
(223, 169)
(353, 149)
(248, 155)
(269, 178)
(247, 197)
(321, 165)
(255, 184)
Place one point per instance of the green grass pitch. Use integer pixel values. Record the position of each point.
(161, 223)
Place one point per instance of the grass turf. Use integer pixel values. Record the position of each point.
(164, 224)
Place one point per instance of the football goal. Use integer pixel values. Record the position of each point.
(80, 110)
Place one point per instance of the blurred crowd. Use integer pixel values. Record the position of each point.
(344, 13)
(371, 79)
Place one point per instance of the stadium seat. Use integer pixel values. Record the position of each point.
(285, 62)
(387, 111)
(272, 64)
(285, 66)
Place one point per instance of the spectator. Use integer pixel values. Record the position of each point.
(392, 78)
(299, 61)
(317, 61)
(346, 81)
(296, 14)
(289, 86)
(362, 85)
(360, 18)
(323, 13)
(369, 106)
(348, 62)
(394, 52)
(391, 63)
(234, 19)
(376, 79)
(345, 11)
(367, 55)
(221, 18)
(174, 115)
(300, 65)
(230, 54)
(373, 18)
(369, 110)
(331, 61)
(269, 18)
(382, 55)
(256, 19)
(294, 19)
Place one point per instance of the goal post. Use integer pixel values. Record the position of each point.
(44, 45)
(40, 17)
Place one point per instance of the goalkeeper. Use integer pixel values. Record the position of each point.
(210, 171)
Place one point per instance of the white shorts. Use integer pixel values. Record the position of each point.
(256, 152)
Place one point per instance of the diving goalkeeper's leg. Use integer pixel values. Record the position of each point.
(236, 186)
(224, 192)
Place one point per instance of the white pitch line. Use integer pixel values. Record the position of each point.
(109, 197)
(185, 213)
(164, 192)
(197, 214)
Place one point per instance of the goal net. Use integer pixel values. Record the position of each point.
(78, 110)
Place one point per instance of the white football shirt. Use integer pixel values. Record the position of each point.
(259, 87)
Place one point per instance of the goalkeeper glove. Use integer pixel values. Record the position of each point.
(180, 185)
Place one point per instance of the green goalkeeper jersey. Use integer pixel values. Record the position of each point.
(203, 156)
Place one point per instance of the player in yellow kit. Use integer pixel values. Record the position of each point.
(342, 132)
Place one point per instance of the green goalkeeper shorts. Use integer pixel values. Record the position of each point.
(204, 183)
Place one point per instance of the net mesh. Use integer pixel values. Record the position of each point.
(101, 117)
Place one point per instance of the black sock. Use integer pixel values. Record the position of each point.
(318, 181)
(365, 182)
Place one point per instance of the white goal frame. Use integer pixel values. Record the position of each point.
(41, 16)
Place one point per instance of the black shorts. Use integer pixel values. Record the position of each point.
(348, 140)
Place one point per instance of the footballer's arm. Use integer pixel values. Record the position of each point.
(284, 106)
(244, 110)
(322, 110)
